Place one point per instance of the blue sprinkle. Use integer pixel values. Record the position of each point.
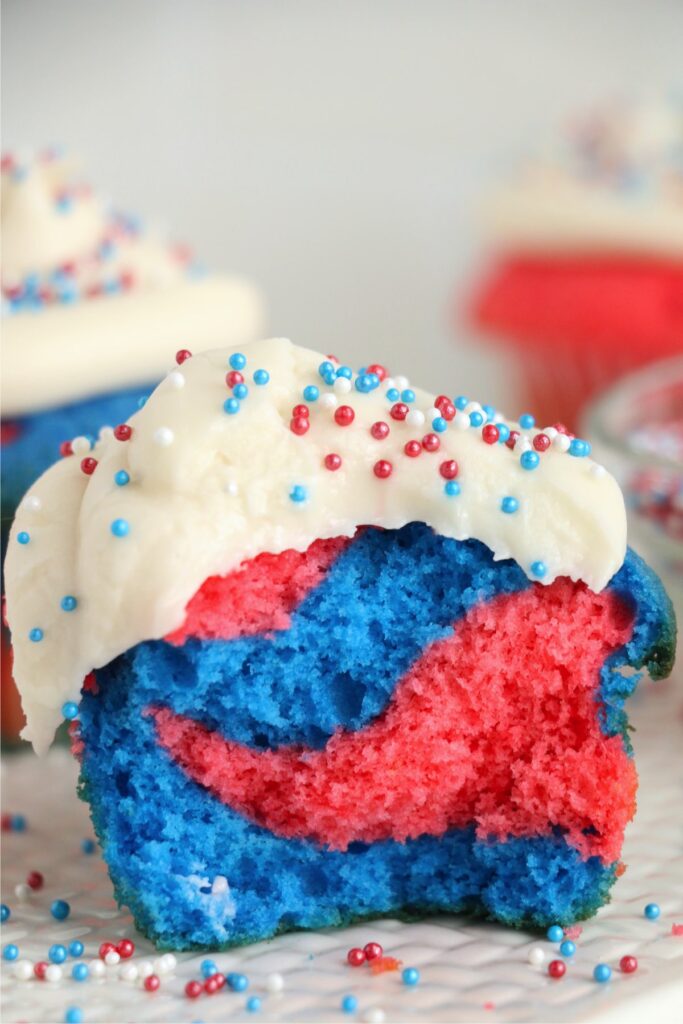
(231, 406)
(526, 421)
(349, 1004)
(238, 361)
(509, 505)
(503, 432)
(57, 954)
(207, 968)
(121, 478)
(120, 528)
(539, 569)
(10, 952)
(439, 424)
(80, 972)
(578, 448)
(74, 1015)
(298, 493)
(652, 911)
(555, 933)
(70, 710)
(76, 948)
(240, 391)
(88, 846)
(311, 393)
(5, 913)
(23, 537)
(460, 402)
(253, 1004)
(393, 395)
(567, 948)
(602, 973)
(529, 460)
(18, 823)
(68, 603)
(364, 384)
(142, 402)
(345, 371)
(36, 634)
(476, 419)
(408, 395)
(60, 910)
(410, 976)
(326, 369)
(238, 982)
(490, 412)
(451, 488)
(261, 377)
(374, 380)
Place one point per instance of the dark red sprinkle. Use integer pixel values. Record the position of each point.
(219, 979)
(107, 947)
(399, 411)
(541, 442)
(512, 439)
(35, 880)
(125, 948)
(211, 986)
(65, 449)
(557, 968)
(379, 430)
(301, 410)
(233, 377)
(299, 425)
(344, 415)
(490, 433)
(39, 969)
(412, 448)
(193, 989)
(151, 983)
(181, 355)
(378, 369)
(123, 432)
(431, 443)
(332, 461)
(372, 950)
(628, 964)
(88, 465)
(355, 957)
(382, 469)
(449, 469)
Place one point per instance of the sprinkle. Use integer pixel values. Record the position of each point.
(345, 373)
(561, 442)
(298, 493)
(349, 1004)
(344, 415)
(536, 956)
(325, 369)
(355, 957)
(76, 948)
(231, 406)
(415, 418)
(68, 603)
(557, 969)
(461, 421)
(628, 964)
(407, 395)
(39, 969)
(449, 469)
(207, 968)
(57, 954)
(490, 434)
(526, 421)
(652, 911)
(476, 419)
(233, 377)
(53, 973)
(378, 370)
(88, 846)
(238, 982)
(275, 983)
(18, 823)
(602, 973)
(410, 976)
(299, 425)
(372, 950)
(578, 448)
(379, 430)
(555, 933)
(461, 402)
(176, 380)
(539, 569)
(382, 469)
(97, 968)
(412, 449)
(10, 952)
(393, 395)
(677, 929)
(121, 478)
(151, 983)
(80, 972)
(328, 401)
(529, 460)
(452, 489)
(120, 528)
(333, 461)
(73, 1015)
(193, 989)
(431, 443)
(88, 466)
(399, 411)
(439, 424)
(503, 432)
(375, 1015)
(22, 891)
(384, 964)
(5, 913)
(253, 1004)
(122, 432)
(240, 391)
(60, 910)
(113, 957)
(70, 711)
(128, 972)
(80, 445)
(163, 436)
(23, 970)
(509, 505)
(36, 635)
(23, 537)
(567, 948)
(261, 377)
(238, 361)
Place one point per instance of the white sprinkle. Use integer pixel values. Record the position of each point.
(275, 983)
(80, 445)
(375, 1015)
(22, 891)
(219, 885)
(461, 420)
(523, 444)
(163, 436)
(415, 418)
(112, 958)
(328, 400)
(176, 380)
(97, 968)
(232, 488)
(145, 968)
(561, 442)
(32, 503)
(388, 383)
(550, 432)
(401, 383)
(23, 970)
(432, 413)
(165, 964)
(53, 972)
(597, 470)
(106, 433)
(473, 407)
(536, 956)
(128, 972)
(342, 385)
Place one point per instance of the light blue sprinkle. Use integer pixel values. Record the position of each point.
(121, 478)
(311, 393)
(298, 493)
(345, 371)
(231, 406)
(439, 424)
(23, 537)
(120, 528)
(253, 1004)
(68, 603)
(74, 1015)
(460, 402)
(76, 948)
(529, 460)
(10, 952)
(57, 954)
(509, 505)
(142, 402)
(408, 395)
(208, 968)
(5, 912)
(539, 569)
(652, 911)
(36, 634)
(393, 395)
(578, 448)
(349, 1004)
(476, 419)
(326, 369)
(452, 488)
(503, 432)
(555, 933)
(567, 948)
(411, 976)
(526, 421)
(70, 711)
(60, 910)
(602, 973)
(261, 377)
(238, 361)
(240, 391)
(80, 972)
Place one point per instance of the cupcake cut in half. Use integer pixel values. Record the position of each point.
(357, 650)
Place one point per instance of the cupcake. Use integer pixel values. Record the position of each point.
(334, 648)
(92, 305)
(586, 278)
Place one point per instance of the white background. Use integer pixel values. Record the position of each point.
(336, 151)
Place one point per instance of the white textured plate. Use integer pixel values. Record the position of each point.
(470, 971)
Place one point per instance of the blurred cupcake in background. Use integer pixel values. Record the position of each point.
(585, 280)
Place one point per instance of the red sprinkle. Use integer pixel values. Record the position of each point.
(399, 411)
(382, 469)
(557, 968)
(344, 415)
(355, 957)
(372, 950)
(299, 425)
(412, 449)
(193, 990)
(378, 369)
(490, 433)
(233, 377)
(541, 442)
(440, 401)
(88, 465)
(123, 432)
(300, 410)
(379, 430)
(449, 469)
(431, 443)
(125, 948)
(448, 411)
(211, 985)
(219, 979)
(39, 969)
(35, 880)
(512, 439)
(107, 947)
(333, 461)
(151, 983)
(628, 964)
(181, 355)
(65, 449)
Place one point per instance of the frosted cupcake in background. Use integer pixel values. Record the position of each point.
(586, 276)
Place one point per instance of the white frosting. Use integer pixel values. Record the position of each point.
(208, 490)
(614, 183)
(94, 302)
